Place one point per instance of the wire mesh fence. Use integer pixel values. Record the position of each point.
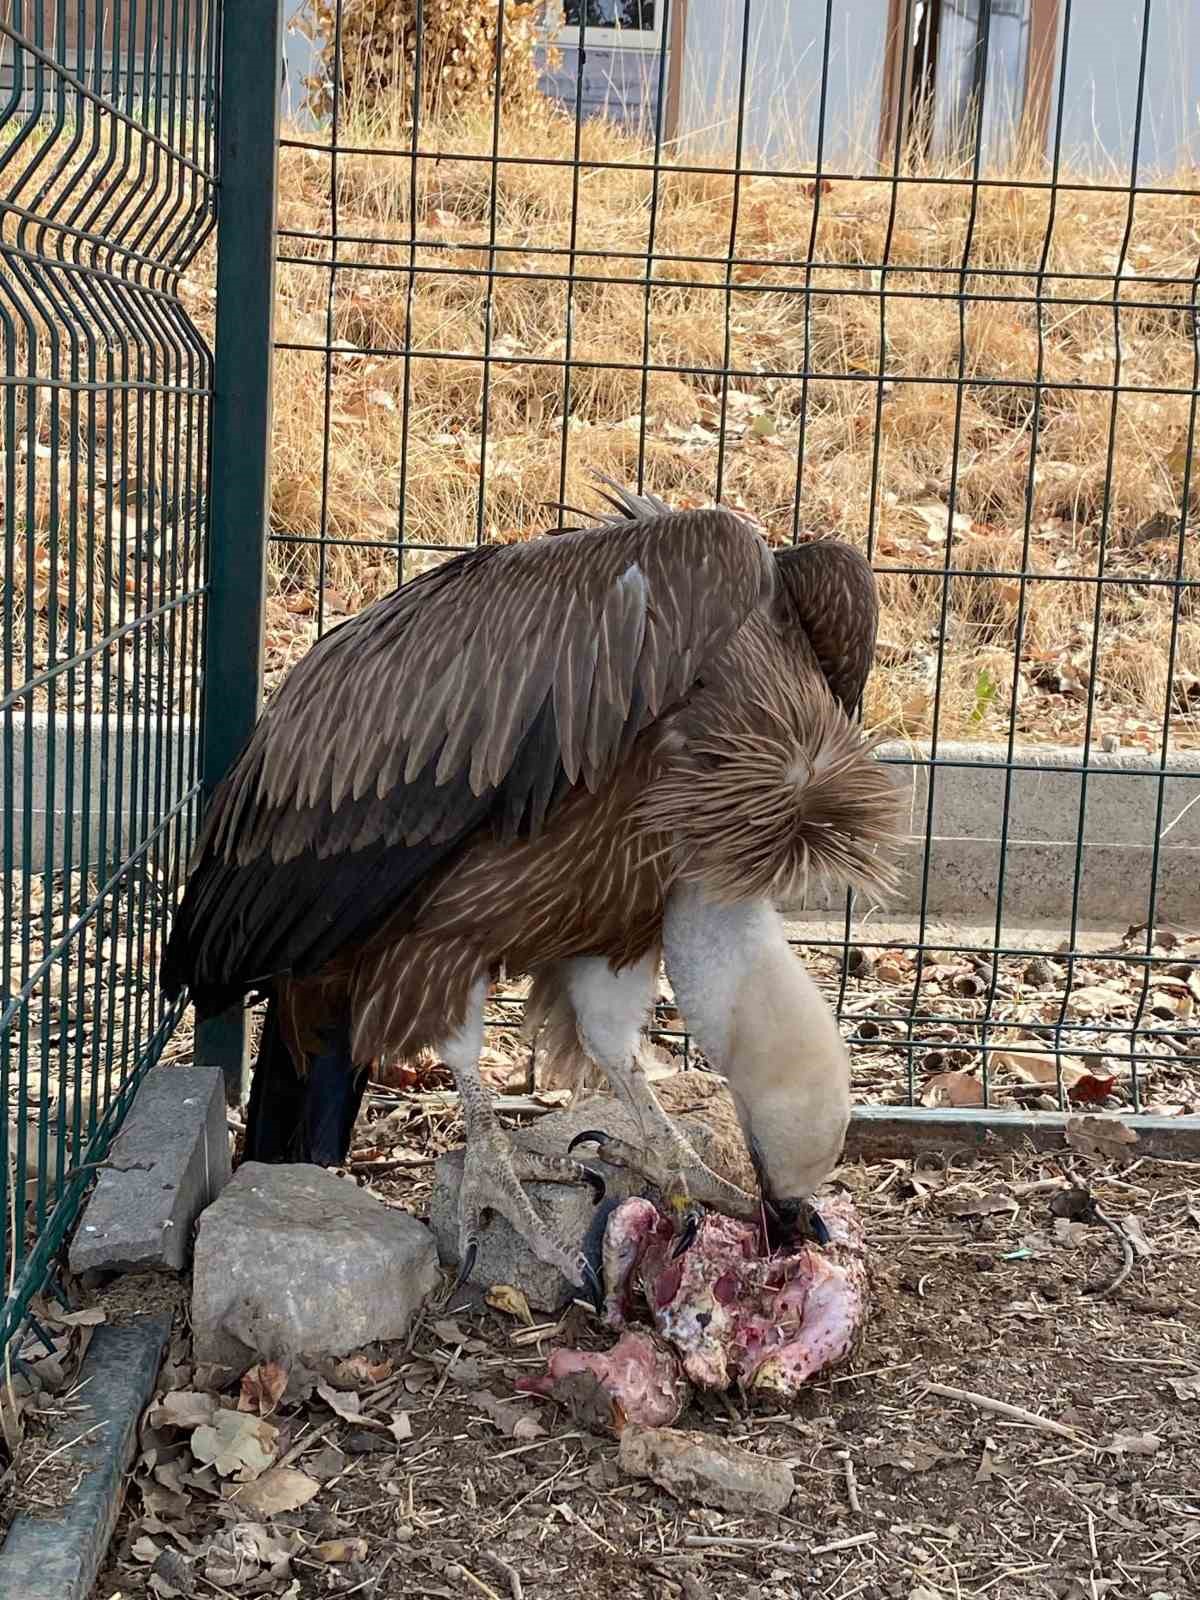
(107, 126)
(929, 308)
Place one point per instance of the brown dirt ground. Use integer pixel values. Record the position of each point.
(976, 1288)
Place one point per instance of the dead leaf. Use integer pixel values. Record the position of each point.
(1186, 1388)
(1132, 1229)
(420, 1375)
(1136, 1444)
(237, 1445)
(89, 1317)
(952, 1089)
(247, 1552)
(1083, 1086)
(1098, 1000)
(144, 1549)
(910, 1456)
(1104, 1138)
(401, 1427)
(262, 1387)
(988, 1205)
(182, 1408)
(280, 1489)
(504, 1297)
(516, 1421)
(333, 1551)
(346, 1403)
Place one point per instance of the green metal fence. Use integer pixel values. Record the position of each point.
(108, 156)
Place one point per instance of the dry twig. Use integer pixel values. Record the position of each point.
(1001, 1408)
(1126, 1267)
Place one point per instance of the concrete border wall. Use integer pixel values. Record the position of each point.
(1046, 795)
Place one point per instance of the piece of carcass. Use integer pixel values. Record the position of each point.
(725, 1310)
(640, 1376)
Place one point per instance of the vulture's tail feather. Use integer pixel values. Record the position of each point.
(763, 790)
(303, 1117)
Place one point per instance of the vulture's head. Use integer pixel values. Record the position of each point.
(789, 1074)
(763, 1023)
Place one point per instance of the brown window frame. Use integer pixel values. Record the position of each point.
(1039, 75)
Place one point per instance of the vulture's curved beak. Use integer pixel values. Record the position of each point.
(794, 1222)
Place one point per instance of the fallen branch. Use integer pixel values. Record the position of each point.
(785, 1547)
(1001, 1408)
(509, 1572)
(851, 1481)
(1126, 1248)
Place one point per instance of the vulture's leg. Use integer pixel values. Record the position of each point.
(611, 1009)
(493, 1171)
(307, 1116)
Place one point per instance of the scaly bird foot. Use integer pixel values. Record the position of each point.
(493, 1172)
(678, 1172)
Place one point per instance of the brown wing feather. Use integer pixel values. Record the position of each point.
(456, 668)
(473, 695)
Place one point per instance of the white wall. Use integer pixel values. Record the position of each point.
(1103, 50)
(783, 81)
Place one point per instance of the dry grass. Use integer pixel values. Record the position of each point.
(405, 432)
(460, 407)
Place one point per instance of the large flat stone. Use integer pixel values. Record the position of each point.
(504, 1257)
(56, 1556)
(294, 1261)
(169, 1161)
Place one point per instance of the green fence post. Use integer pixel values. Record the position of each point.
(241, 433)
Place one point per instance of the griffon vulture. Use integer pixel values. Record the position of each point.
(560, 757)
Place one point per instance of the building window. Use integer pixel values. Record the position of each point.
(632, 23)
(945, 56)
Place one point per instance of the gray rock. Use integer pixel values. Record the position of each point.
(170, 1160)
(293, 1261)
(504, 1257)
(694, 1467)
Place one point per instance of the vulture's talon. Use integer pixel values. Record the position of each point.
(596, 1181)
(594, 1136)
(688, 1232)
(671, 1166)
(469, 1256)
(593, 1289)
(493, 1177)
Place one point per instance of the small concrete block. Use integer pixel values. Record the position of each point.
(504, 1257)
(694, 1466)
(169, 1161)
(56, 1555)
(294, 1261)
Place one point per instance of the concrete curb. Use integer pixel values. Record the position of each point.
(1051, 800)
(903, 1133)
(57, 1557)
(170, 1160)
